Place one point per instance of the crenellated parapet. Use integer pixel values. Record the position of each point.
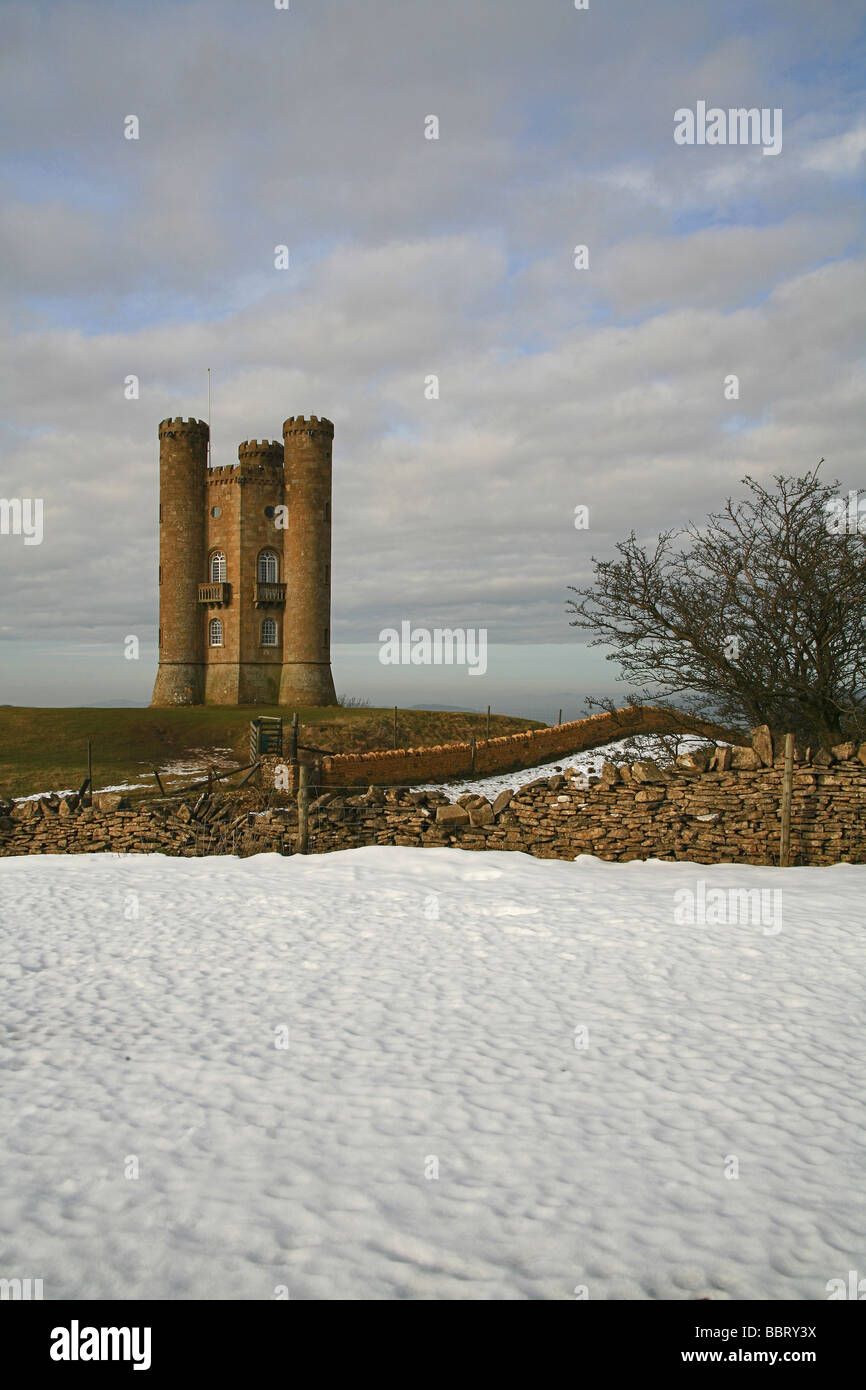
(269, 471)
(170, 428)
(261, 451)
(300, 424)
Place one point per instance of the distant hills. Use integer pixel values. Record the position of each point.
(451, 709)
(118, 704)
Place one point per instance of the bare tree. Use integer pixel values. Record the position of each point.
(758, 617)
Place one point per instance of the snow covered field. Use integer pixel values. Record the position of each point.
(434, 1002)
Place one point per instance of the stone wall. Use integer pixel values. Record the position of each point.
(507, 753)
(709, 808)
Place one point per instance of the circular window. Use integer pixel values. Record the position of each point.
(216, 511)
(269, 511)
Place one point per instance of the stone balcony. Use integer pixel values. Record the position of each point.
(215, 595)
(270, 595)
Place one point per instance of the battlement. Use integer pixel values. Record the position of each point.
(298, 424)
(180, 426)
(263, 450)
(257, 466)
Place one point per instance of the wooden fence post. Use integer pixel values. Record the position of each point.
(488, 723)
(472, 746)
(559, 720)
(787, 793)
(90, 772)
(395, 726)
(294, 747)
(303, 810)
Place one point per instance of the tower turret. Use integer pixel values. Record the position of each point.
(261, 451)
(182, 500)
(306, 675)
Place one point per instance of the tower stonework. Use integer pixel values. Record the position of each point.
(245, 557)
(182, 474)
(307, 448)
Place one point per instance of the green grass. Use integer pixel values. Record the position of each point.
(44, 750)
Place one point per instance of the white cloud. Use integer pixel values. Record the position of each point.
(838, 154)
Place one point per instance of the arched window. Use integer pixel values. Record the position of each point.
(269, 570)
(215, 632)
(218, 568)
(269, 632)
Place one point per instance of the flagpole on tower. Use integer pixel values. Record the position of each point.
(209, 459)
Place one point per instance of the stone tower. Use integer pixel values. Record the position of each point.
(306, 677)
(182, 479)
(245, 569)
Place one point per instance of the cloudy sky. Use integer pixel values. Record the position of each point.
(411, 257)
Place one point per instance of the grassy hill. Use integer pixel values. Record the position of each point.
(44, 750)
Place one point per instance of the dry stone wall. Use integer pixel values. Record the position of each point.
(507, 753)
(719, 807)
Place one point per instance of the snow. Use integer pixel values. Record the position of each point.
(587, 763)
(195, 765)
(71, 791)
(432, 999)
(197, 762)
